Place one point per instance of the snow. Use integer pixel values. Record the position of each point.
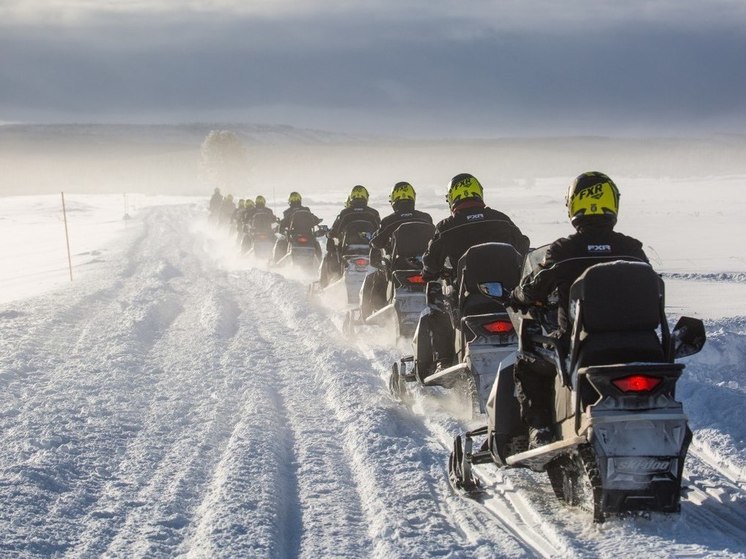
(177, 400)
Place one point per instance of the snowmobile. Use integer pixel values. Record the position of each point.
(303, 249)
(484, 336)
(354, 262)
(405, 289)
(621, 435)
(259, 239)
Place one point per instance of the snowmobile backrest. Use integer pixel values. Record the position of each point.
(357, 235)
(617, 308)
(487, 262)
(303, 221)
(411, 238)
(619, 295)
(409, 241)
(262, 222)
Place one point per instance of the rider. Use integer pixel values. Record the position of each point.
(592, 204)
(248, 211)
(471, 223)
(402, 201)
(237, 217)
(260, 207)
(356, 209)
(295, 205)
(216, 200)
(227, 207)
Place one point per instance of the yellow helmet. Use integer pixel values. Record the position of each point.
(358, 192)
(248, 203)
(260, 201)
(402, 191)
(463, 187)
(594, 195)
(294, 199)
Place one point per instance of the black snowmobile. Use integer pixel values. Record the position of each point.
(405, 289)
(259, 238)
(484, 336)
(303, 250)
(354, 262)
(621, 435)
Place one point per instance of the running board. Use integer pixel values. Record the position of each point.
(380, 314)
(445, 373)
(538, 458)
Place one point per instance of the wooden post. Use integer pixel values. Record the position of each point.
(67, 237)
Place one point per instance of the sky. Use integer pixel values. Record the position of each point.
(406, 67)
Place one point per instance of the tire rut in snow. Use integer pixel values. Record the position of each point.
(74, 363)
(384, 449)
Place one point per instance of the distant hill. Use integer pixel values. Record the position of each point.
(161, 134)
(165, 158)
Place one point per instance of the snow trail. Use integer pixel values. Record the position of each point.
(175, 404)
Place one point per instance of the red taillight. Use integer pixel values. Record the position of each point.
(302, 239)
(636, 383)
(415, 279)
(499, 327)
(361, 262)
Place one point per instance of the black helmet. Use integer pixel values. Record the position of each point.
(592, 197)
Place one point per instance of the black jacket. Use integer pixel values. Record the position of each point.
(567, 258)
(404, 212)
(353, 213)
(472, 223)
(216, 200)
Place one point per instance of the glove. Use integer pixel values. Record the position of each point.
(515, 303)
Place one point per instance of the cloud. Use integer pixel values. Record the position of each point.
(428, 65)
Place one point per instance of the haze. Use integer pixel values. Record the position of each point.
(367, 73)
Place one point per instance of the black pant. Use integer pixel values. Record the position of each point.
(331, 267)
(434, 341)
(534, 381)
(373, 295)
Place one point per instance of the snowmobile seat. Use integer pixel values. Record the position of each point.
(618, 308)
(484, 263)
(408, 243)
(356, 237)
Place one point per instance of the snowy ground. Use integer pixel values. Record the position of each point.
(177, 400)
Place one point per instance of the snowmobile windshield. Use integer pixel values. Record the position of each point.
(533, 259)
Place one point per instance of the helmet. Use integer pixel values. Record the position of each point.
(241, 202)
(217, 191)
(402, 191)
(248, 203)
(358, 192)
(295, 199)
(260, 201)
(592, 195)
(229, 197)
(463, 187)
